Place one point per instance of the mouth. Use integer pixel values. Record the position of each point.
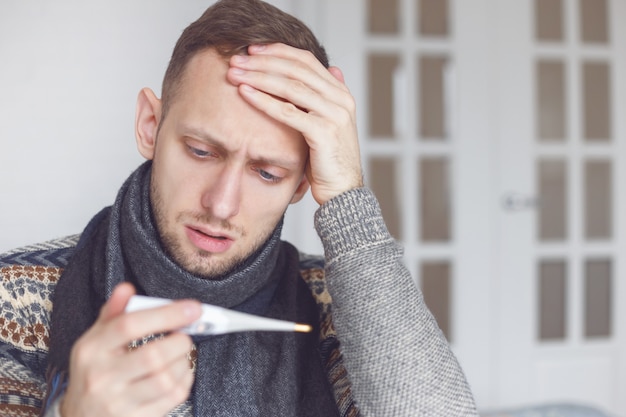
(208, 240)
(209, 235)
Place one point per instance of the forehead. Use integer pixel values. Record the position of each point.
(207, 102)
(204, 67)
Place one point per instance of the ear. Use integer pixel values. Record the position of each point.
(303, 187)
(147, 117)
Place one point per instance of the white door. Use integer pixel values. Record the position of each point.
(491, 134)
(560, 152)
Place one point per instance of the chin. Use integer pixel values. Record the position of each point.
(207, 265)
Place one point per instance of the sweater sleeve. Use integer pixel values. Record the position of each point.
(398, 360)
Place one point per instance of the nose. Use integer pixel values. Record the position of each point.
(223, 197)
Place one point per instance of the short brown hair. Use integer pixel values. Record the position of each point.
(230, 26)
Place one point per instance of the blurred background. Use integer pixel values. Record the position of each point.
(492, 131)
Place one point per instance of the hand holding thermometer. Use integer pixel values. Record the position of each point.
(219, 320)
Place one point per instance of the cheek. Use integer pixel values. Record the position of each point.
(171, 180)
(266, 204)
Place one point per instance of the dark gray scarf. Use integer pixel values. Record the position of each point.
(244, 374)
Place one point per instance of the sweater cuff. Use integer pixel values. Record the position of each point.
(55, 409)
(350, 221)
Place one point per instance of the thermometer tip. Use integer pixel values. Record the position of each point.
(303, 328)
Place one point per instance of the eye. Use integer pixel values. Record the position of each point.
(267, 176)
(198, 152)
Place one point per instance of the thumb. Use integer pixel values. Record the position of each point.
(117, 303)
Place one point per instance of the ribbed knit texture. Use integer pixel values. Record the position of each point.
(398, 360)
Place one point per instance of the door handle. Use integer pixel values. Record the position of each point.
(519, 202)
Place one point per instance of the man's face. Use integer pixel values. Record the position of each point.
(223, 172)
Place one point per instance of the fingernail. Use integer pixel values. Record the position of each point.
(192, 309)
(238, 71)
(257, 48)
(247, 88)
(240, 58)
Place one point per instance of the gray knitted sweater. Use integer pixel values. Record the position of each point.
(397, 360)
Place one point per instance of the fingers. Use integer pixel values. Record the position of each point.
(292, 61)
(117, 303)
(150, 380)
(159, 369)
(294, 76)
(155, 356)
(293, 87)
(116, 329)
(155, 377)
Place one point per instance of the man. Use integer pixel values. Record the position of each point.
(251, 117)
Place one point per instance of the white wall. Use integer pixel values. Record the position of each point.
(69, 75)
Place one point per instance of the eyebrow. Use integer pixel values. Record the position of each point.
(205, 136)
